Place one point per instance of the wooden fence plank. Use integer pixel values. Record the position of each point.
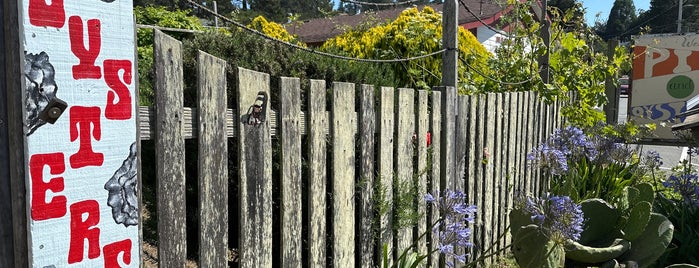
(479, 232)
(521, 140)
(169, 150)
(405, 129)
(291, 172)
(504, 177)
(255, 170)
(423, 169)
(529, 123)
(367, 127)
(448, 135)
(213, 162)
(460, 145)
(434, 185)
(461, 142)
(448, 168)
(512, 156)
(498, 171)
(473, 192)
(344, 124)
(317, 145)
(488, 202)
(386, 130)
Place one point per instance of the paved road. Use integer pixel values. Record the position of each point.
(670, 154)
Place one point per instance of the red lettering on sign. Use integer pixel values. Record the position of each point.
(86, 68)
(121, 109)
(56, 208)
(111, 253)
(85, 124)
(80, 230)
(44, 15)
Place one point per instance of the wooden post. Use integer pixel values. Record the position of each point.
(317, 177)
(434, 185)
(546, 36)
(422, 168)
(255, 170)
(611, 110)
(13, 225)
(169, 150)
(450, 58)
(386, 131)
(213, 162)
(344, 127)
(405, 129)
(291, 171)
(367, 127)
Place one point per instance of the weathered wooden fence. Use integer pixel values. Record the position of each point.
(366, 138)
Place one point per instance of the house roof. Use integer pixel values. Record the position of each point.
(319, 30)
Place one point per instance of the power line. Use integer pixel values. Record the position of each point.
(379, 4)
(313, 51)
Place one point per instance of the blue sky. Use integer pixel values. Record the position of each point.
(604, 6)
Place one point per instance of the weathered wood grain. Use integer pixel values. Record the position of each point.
(435, 174)
(385, 188)
(213, 162)
(422, 129)
(13, 229)
(502, 178)
(529, 145)
(461, 142)
(344, 127)
(291, 220)
(448, 136)
(255, 171)
(367, 127)
(169, 151)
(317, 177)
(479, 232)
(488, 202)
(472, 164)
(405, 129)
(511, 167)
(520, 153)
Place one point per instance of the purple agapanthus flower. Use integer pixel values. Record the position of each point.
(573, 143)
(559, 216)
(687, 185)
(453, 230)
(549, 159)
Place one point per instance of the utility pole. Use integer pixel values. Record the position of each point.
(449, 33)
(611, 110)
(679, 15)
(546, 36)
(216, 17)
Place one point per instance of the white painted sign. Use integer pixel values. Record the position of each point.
(81, 169)
(665, 75)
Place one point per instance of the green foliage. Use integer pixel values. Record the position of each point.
(587, 179)
(414, 33)
(587, 254)
(533, 249)
(158, 16)
(621, 18)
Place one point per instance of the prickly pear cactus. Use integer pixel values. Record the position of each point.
(588, 254)
(532, 249)
(645, 192)
(600, 220)
(637, 220)
(518, 219)
(652, 242)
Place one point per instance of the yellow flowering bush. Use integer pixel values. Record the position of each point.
(272, 29)
(414, 33)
